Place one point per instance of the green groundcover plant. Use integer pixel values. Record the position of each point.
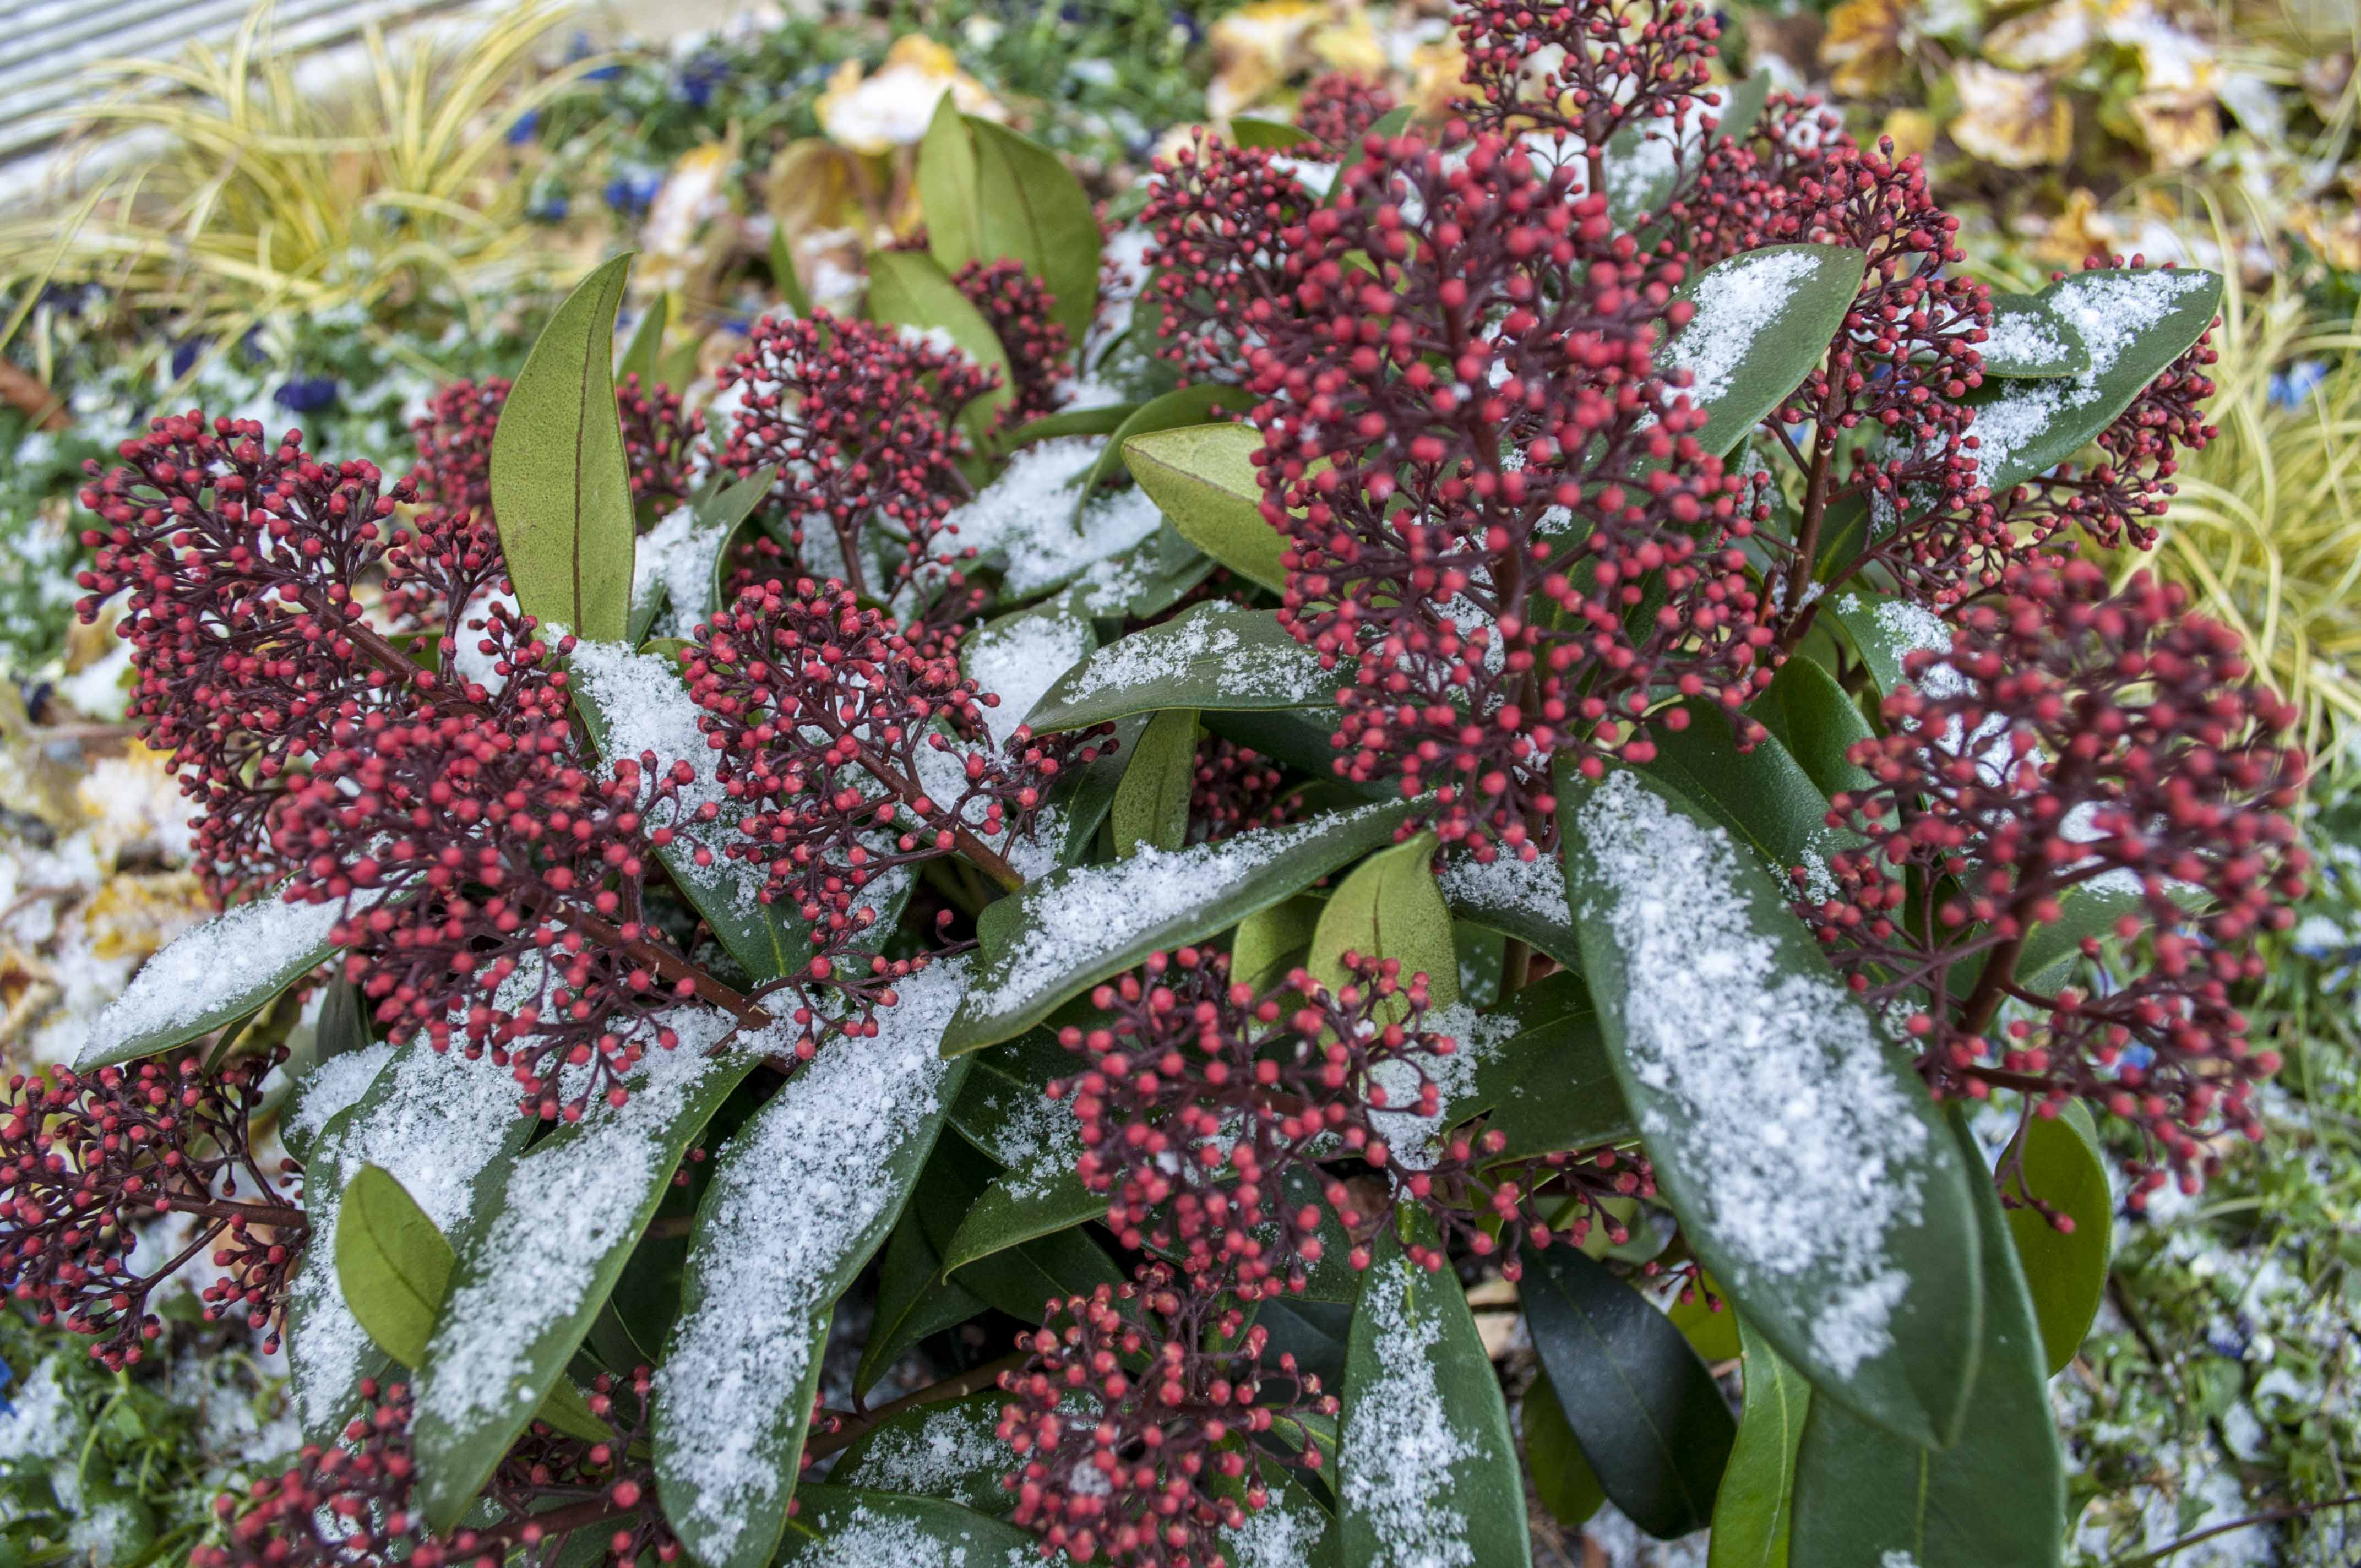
(1513, 697)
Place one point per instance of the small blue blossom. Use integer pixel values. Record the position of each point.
(306, 394)
(632, 194)
(526, 127)
(700, 76)
(7, 1377)
(1186, 23)
(2291, 388)
(550, 209)
(185, 354)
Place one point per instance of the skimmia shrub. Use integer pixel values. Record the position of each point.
(971, 938)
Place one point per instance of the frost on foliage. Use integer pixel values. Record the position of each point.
(216, 965)
(435, 1122)
(796, 1195)
(1023, 521)
(332, 1086)
(954, 1453)
(1020, 660)
(1164, 653)
(1507, 885)
(1284, 1534)
(867, 1539)
(1411, 1137)
(2022, 338)
(677, 557)
(1399, 1445)
(645, 707)
(1737, 303)
(1035, 1137)
(2110, 311)
(1102, 909)
(1775, 1085)
(563, 1208)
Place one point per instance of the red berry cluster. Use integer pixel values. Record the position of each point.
(1182, 1408)
(1210, 1117)
(1339, 106)
(858, 417)
(1219, 215)
(349, 1504)
(1235, 790)
(661, 442)
(1017, 308)
(434, 578)
(86, 1161)
(853, 752)
(1587, 67)
(2077, 760)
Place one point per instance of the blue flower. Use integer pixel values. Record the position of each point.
(1187, 22)
(7, 1377)
(2139, 1056)
(306, 394)
(526, 125)
(632, 194)
(548, 210)
(186, 353)
(2291, 388)
(700, 76)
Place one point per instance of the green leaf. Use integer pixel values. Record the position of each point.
(1563, 1478)
(913, 1299)
(532, 1277)
(839, 1526)
(1885, 632)
(1204, 478)
(1073, 422)
(1030, 206)
(1212, 657)
(948, 195)
(1272, 941)
(1390, 909)
(715, 511)
(614, 694)
(1809, 714)
(1646, 1412)
(949, 1451)
(641, 354)
(1763, 796)
(1764, 318)
(1250, 130)
(1755, 1509)
(210, 976)
(2134, 324)
(2066, 1270)
(2027, 338)
(1426, 1465)
(392, 1265)
(1995, 1498)
(1550, 1086)
(1004, 1110)
(561, 488)
(784, 275)
(1077, 927)
(1750, 1067)
(1151, 803)
(907, 288)
(1183, 408)
(733, 1395)
(1525, 899)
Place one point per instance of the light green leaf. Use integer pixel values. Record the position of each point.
(784, 275)
(1563, 1478)
(1077, 927)
(948, 195)
(1272, 941)
(2066, 1270)
(1764, 318)
(1749, 1068)
(909, 289)
(1183, 408)
(1212, 656)
(1028, 205)
(210, 976)
(1151, 804)
(1204, 478)
(1250, 130)
(641, 354)
(561, 487)
(1426, 1467)
(1755, 1509)
(392, 1265)
(1390, 909)
(2027, 338)
(1994, 1499)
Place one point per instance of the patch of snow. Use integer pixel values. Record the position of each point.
(1018, 661)
(1399, 1445)
(1737, 304)
(215, 965)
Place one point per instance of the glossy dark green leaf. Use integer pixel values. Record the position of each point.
(949, 1451)
(1764, 318)
(522, 1297)
(909, 288)
(1809, 714)
(1747, 1064)
(1023, 1280)
(1212, 656)
(1390, 909)
(561, 488)
(1151, 804)
(1550, 1086)
(1028, 205)
(1204, 478)
(1755, 1509)
(2134, 324)
(1648, 1414)
(914, 1301)
(1885, 632)
(210, 976)
(1183, 408)
(2065, 1270)
(1005, 1111)
(1763, 796)
(734, 1396)
(392, 1265)
(949, 196)
(641, 354)
(1525, 899)
(2027, 338)
(840, 1527)
(1426, 1468)
(1994, 1499)
(1077, 927)
(1315, 1333)
(1563, 1478)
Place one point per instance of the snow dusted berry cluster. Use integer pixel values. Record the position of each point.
(1531, 699)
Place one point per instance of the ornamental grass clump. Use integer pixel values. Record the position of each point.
(1554, 735)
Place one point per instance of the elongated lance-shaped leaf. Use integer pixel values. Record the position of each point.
(1183, 408)
(1886, 631)
(951, 1451)
(1004, 1110)
(561, 487)
(1028, 205)
(210, 976)
(1151, 803)
(1563, 1478)
(536, 1273)
(948, 194)
(839, 1527)
(1426, 1470)
(1994, 1499)
(1816, 720)
(1212, 657)
(392, 1265)
(1810, 1172)
(2066, 1270)
(2027, 338)
(907, 288)
(1756, 1508)
(1204, 478)
(1390, 909)
(800, 1196)
(1075, 927)
(684, 559)
(1764, 318)
(646, 346)
(1525, 899)
(1549, 1085)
